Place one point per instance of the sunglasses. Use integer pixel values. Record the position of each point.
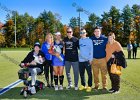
(69, 31)
(82, 32)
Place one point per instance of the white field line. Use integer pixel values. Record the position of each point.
(9, 87)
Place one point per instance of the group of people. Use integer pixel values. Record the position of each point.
(132, 47)
(92, 54)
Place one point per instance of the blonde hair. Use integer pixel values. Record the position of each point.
(49, 34)
(111, 34)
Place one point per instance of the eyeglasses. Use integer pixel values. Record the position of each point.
(69, 31)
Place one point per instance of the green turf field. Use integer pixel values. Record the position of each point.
(9, 59)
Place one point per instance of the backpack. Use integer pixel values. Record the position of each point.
(27, 89)
(38, 85)
(23, 73)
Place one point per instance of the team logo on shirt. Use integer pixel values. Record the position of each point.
(98, 42)
(82, 45)
(61, 46)
(69, 45)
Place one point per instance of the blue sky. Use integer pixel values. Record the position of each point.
(63, 7)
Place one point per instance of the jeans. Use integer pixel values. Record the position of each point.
(129, 54)
(34, 72)
(75, 66)
(134, 53)
(82, 67)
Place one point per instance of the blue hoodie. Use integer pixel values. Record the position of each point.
(99, 45)
(86, 49)
(44, 49)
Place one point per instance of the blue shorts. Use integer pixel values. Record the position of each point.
(57, 62)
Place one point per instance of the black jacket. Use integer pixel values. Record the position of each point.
(29, 58)
(119, 58)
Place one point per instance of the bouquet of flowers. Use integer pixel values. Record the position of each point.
(55, 50)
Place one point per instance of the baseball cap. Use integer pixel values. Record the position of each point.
(37, 44)
(57, 33)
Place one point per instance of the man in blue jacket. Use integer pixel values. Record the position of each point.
(85, 59)
(99, 61)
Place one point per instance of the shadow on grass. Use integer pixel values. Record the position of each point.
(51, 94)
(133, 59)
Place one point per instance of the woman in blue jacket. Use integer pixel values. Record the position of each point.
(48, 59)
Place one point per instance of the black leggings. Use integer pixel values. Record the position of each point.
(48, 67)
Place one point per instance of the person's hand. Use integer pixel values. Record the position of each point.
(22, 64)
(27, 64)
(90, 62)
(33, 63)
(112, 56)
(57, 54)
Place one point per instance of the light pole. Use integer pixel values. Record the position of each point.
(79, 10)
(15, 30)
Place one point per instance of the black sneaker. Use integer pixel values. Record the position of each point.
(111, 90)
(116, 92)
(52, 85)
(69, 87)
(95, 88)
(48, 85)
(104, 90)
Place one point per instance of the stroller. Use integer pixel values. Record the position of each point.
(24, 74)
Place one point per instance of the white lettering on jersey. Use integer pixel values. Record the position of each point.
(98, 42)
(69, 45)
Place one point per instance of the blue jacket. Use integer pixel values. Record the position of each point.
(99, 45)
(129, 47)
(44, 49)
(86, 49)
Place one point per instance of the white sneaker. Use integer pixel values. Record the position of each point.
(76, 88)
(69, 87)
(33, 90)
(60, 87)
(25, 94)
(56, 87)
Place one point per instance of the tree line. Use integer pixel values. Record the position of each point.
(124, 23)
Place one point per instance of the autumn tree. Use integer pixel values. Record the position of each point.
(2, 39)
(9, 33)
(127, 19)
(136, 14)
